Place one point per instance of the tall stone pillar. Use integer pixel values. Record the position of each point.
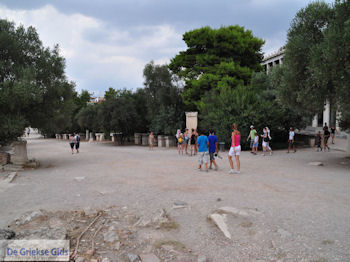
(19, 157)
(315, 121)
(191, 120)
(348, 144)
(337, 119)
(87, 135)
(326, 113)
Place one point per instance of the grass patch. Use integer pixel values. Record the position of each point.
(176, 244)
(170, 225)
(327, 242)
(246, 224)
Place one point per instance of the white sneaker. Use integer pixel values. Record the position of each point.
(232, 171)
(237, 172)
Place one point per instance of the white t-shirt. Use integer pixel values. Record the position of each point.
(291, 135)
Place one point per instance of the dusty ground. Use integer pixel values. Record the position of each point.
(297, 212)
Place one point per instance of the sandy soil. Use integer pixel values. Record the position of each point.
(297, 212)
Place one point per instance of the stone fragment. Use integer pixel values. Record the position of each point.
(12, 167)
(117, 246)
(220, 222)
(316, 164)
(93, 260)
(106, 259)
(233, 211)
(11, 177)
(80, 259)
(149, 258)
(283, 233)
(59, 233)
(133, 258)
(110, 236)
(202, 258)
(28, 217)
(79, 178)
(7, 234)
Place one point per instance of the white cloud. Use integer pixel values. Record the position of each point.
(110, 56)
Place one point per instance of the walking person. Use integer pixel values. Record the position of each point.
(252, 137)
(265, 142)
(72, 142)
(77, 142)
(319, 141)
(180, 142)
(256, 143)
(326, 135)
(333, 130)
(202, 142)
(193, 141)
(187, 139)
(291, 140)
(213, 148)
(196, 145)
(235, 149)
(151, 141)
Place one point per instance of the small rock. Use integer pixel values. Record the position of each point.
(110, 236)
(28, 217)
(233, 211)
(93, 260)
(202, 258)
(79, 178)
(283, 233)
(219, 220)
(106, 259)
(316, 164)
(149, 258)
(180, 203)
(80, 259)
(117, 246)
(219, 199)
(133, 257)
(7, 234)
(11, 177)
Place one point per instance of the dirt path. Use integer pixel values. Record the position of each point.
(297, 211)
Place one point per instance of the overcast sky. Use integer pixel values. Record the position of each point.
(107, 43)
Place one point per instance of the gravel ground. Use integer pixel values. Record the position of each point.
(297, 212)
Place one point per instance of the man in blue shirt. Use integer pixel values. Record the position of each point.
(203, 144)
(213, 147)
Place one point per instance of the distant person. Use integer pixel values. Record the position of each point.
(180, 142)
(202, 142)
(326, 135)
(333, 130)
(72, 142)
(193, 141)
(28, 132)
(325, 127)
(77, 142)
(235, 149)
(256, 143)
(265, 141)
(291, 140)
(319, 141)
(178, 132)
(151, 141)
(252, 137)
(196, 145)
(213, 148)
(187, 139)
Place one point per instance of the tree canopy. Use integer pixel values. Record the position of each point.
(316, 65)
(34, 90)
(215, 58)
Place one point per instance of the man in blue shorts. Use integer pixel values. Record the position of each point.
(213, 147)
(202, 142)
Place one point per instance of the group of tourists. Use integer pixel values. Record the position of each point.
(254, 140)
(74, 142)
(186, 140)
(326, 135)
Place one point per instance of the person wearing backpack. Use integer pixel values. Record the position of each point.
(265, 141)
(180, 142)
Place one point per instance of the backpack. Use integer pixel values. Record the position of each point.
(180, 140)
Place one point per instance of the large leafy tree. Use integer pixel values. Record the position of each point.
(33, 88)
(316, 64)
(214, 59)
(163, 97)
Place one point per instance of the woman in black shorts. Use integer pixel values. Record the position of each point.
(193, 141)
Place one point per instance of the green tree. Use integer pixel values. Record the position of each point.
(164, 103)
(33, 87)
(216, 58)
(316, 65)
